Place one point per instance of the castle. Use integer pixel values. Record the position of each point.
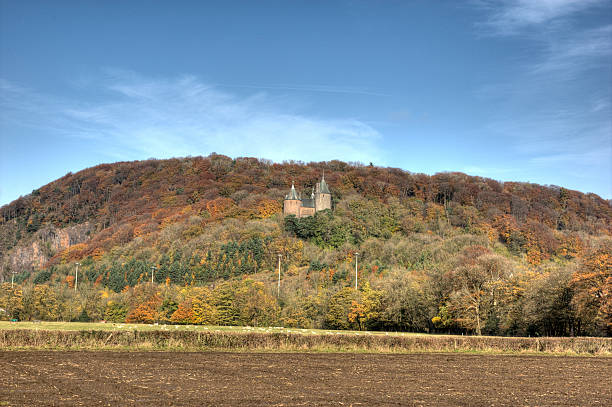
(319, 200)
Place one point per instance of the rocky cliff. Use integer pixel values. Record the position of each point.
(43, 245)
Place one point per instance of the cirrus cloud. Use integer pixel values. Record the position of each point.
(510, 17)
(137, 117)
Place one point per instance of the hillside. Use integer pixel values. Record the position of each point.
(445, 252)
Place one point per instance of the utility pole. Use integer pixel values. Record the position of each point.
(152, 269)
(356, 257)
(76, 276)
(279, 259)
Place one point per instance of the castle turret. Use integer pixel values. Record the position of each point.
(322, 195)
(292, 203)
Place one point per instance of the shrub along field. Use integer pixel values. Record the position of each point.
(82, 336)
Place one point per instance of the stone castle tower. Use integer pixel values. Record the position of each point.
(319, 200)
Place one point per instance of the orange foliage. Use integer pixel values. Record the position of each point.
(145, 228)
(218, 207)
(184, 313)
(571, 246)
(357, 313)
(145, 312)
(97, 253)
(593, 285)
(489, 231)
(506, 226)
(76, 252)
(434, 211)
(171, 219)
(267, 207)
(540, 243)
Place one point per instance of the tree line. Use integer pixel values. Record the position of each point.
(422, 282)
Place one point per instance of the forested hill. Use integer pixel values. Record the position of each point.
(130, 199)
(201, 219)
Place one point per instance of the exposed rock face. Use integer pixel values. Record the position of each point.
(42, 246)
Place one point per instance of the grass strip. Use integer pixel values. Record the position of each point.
(184, 340)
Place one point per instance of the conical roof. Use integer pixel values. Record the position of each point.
(292, 194)
(324, 188)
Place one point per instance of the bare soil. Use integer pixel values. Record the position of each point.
(40, 378)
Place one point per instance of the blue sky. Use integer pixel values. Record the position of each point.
(509, 89)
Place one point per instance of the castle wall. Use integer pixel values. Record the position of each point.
(292, 207)
(306, 212)
(322, 202)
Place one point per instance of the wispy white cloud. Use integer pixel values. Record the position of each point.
(511, 17)
(573, 54)
(592, 157)
(601, 104)
(164, 117)
(576, 139)
(538, 122)
(557, 48)
(553, 113)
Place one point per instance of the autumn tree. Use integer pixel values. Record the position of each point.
(548, 303)
(144, 304)
(45, 304)
(183, 313)
(475, 280)
(256, 306)
(203, 309)
(365, 310)
(340, 305)
(11, 302)
(592, 283)
(407, 302)
(115, 312)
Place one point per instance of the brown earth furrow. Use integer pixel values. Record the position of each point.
(304, 379)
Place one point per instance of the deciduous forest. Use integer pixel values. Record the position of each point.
(442, 253)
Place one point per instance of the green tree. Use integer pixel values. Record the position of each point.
(340, 305)
(167, 308)
(203, 307)
(11, 301)
(256, 306)
(548, 303)
(407, 303)
(115, 312)
(224, 300)
(45, 305)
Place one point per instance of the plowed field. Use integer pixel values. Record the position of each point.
(261, 379)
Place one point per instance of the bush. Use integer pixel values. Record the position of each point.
(42, 276)
(115, 312)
